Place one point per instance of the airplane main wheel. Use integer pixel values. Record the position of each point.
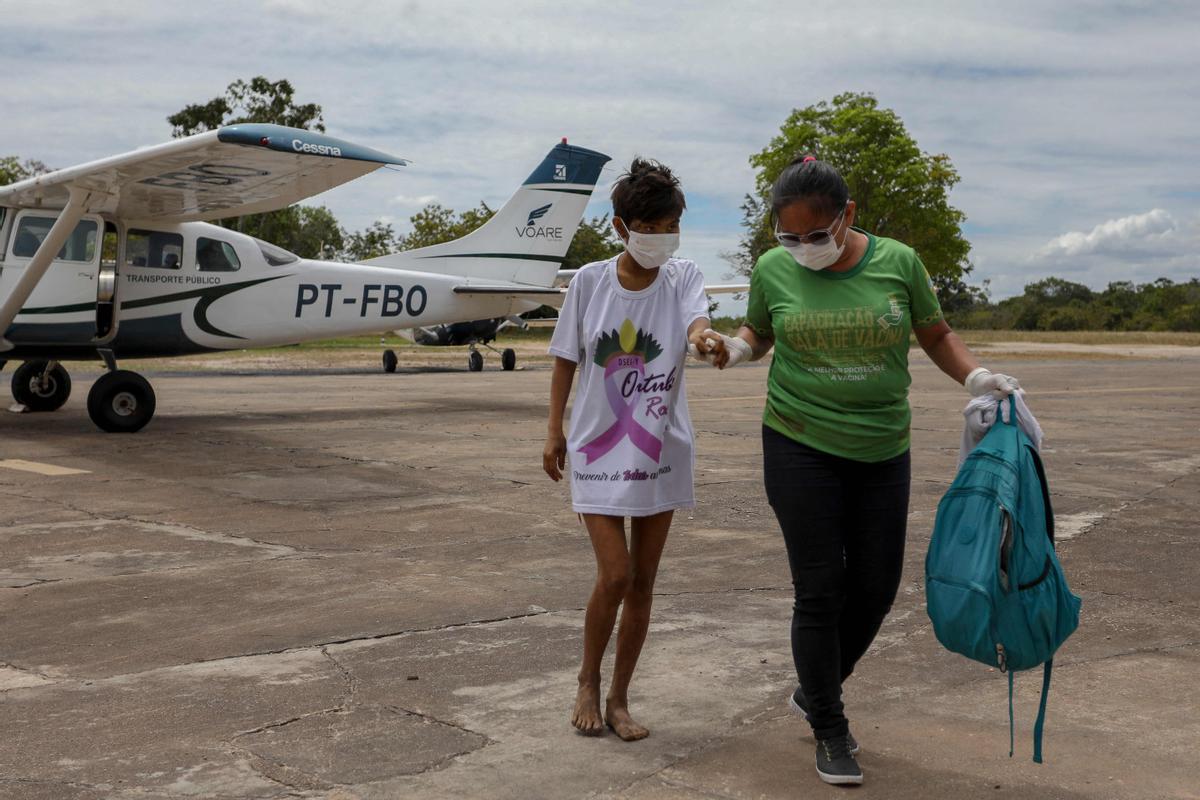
(508, 359)
(475, 361)
(38, 389)
(121, 402)
(389, 361)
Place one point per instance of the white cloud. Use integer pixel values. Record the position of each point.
(1042, 107)
(406, 200)
(1135, 233)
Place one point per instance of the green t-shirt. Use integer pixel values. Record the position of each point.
(839, 379)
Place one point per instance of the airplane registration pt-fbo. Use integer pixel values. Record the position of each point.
(113, 259)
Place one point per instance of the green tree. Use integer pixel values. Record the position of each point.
(377, 240)
(13, 169)
(256, 100)
(899, 191)
(435, 224)
(310, 232)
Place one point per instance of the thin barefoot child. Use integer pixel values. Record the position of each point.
(625, 325)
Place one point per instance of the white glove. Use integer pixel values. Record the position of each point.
(981, 381)
(738, 348)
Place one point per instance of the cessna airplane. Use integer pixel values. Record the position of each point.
(112, 260)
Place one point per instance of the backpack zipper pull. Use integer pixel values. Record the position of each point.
(1001, 660)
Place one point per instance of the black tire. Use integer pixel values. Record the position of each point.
(121, 402)
(30, 391)
(475, 361)
(508, 359)
(389, 361)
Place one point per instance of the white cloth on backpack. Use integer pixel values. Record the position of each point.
(980, 415)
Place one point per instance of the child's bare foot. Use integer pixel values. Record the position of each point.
(617, 715)
(586, 717)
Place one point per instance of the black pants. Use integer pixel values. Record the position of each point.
(843, 522)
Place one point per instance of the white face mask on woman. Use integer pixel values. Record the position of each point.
(649, 250)
(817, 257)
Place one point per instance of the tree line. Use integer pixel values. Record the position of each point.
(900, 191)
(1054, 304)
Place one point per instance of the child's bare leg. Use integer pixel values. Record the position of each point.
(648, 535)
(612, 582)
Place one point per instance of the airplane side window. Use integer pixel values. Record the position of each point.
(32, 231)
(154, 249)
(213, 255)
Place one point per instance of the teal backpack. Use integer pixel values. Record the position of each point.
(995, 591)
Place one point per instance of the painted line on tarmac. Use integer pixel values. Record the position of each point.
(40, 468)
(725, 399)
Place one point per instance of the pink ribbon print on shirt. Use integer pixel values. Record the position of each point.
(618, 352)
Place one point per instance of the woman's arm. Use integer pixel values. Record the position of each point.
(948, 351)
(759, 345)
(554, 454)
(720, 350)
(953, 357)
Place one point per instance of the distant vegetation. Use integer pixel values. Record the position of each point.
(1054, 304)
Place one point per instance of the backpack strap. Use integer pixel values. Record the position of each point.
(1041, 717)
(1010, 713)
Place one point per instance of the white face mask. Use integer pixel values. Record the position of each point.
(650, 250)
(817, 257)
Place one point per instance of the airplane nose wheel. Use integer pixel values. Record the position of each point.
(389, 361)
(475, 361)
(41, 385)
(121, 402)
(508, 359)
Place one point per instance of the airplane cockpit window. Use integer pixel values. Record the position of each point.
(213, 255)
(276, 256)
(153, 249)
(32, 231)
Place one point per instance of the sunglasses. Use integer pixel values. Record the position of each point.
(818, 237)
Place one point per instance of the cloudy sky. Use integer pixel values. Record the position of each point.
(1074, 124)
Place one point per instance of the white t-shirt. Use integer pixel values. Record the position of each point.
(630, 446)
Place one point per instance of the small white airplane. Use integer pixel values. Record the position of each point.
(111, 259)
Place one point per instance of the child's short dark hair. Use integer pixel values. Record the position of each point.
(647, 192)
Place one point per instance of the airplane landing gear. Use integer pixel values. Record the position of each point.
(508, 358)
(121, 402)
(41, 385)
(389, 361)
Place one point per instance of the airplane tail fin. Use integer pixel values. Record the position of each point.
(527, 239)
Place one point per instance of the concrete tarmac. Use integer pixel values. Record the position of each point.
(335, 585)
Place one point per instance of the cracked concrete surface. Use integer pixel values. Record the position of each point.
(301, 585)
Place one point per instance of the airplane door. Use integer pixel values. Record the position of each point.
(106, 285)
(63, 306)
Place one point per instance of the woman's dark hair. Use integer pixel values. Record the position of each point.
(647, 192)
(814, 182)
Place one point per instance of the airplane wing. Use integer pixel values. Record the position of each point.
(235, 170)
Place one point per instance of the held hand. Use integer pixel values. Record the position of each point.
(554, 456)
(718, 349)
(981, 381)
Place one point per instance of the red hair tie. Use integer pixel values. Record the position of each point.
(808, 159)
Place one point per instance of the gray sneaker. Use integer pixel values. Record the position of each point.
(836, 764)
(799, 706)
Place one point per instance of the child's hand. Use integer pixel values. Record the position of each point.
(554, 456)
(706, 345)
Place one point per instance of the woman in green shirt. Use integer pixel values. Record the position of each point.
(837, 304)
